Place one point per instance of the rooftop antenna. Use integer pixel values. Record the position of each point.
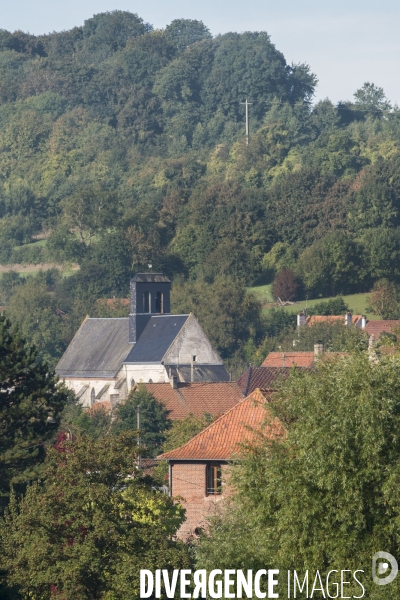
(247, 104)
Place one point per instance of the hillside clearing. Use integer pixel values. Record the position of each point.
(356, 302)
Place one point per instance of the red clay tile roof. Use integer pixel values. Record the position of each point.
(376, 328)
(221, 440)
(329, 318)
(264, 378)
(123, 301)
(196, 398)
(289, 359)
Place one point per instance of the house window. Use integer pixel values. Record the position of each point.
(92, 397)
(160, 303)
(213, 480)
(146, 302)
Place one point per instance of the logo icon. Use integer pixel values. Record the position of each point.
(386, 560)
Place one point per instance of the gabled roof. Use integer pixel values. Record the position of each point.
(98, 349)
(150, 278)
(289, 359)
(157, 336)
(376, 328)
(264, 378)
(221, 440)
(201, 373)
(196, 398)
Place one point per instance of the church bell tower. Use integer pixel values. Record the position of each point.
(150, 296)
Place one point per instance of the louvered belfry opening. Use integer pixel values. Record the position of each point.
(150, 295)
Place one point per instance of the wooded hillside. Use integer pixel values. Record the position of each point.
(123, 146)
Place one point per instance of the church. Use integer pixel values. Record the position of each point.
(108, 357)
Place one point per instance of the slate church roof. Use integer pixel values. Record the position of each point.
(100, 346)
(98, 349)
(156, 338)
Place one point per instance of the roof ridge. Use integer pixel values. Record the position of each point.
(213, 424)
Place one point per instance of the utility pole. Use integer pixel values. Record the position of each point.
(247, 104)
(138, 437)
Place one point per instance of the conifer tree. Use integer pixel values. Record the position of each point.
(30, 406)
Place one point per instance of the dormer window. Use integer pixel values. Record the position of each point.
(160, 303)
(146, 302)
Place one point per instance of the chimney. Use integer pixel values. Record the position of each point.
(363, 322)
(174, 382)
(301, 319)
(348, 319)
(318, 348)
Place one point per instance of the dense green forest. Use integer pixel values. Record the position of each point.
(123, 146)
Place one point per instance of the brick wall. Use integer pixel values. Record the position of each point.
(189, 483)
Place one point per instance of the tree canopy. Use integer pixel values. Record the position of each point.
(88, 527)
(325, 494)
(30, 409)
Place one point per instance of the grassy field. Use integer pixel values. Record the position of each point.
(28, 270)
(356, 302)
(34, 244)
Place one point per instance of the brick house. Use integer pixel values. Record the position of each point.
(198, 469)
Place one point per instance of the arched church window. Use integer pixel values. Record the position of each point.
(146, 302)
(160, 303)
(132, 383)
(92, 397)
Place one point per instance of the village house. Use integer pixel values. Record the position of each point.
(306, 360)
(264, 378)
(108, 357)
(348, 319)
(373, 328)
(198, 470)
(198, 399)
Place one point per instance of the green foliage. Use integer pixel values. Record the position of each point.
(327, 494)
(335, 336)
(36, 311)
(181, 33)
(9, 282)
(228, 314)
(178, 434)
(278, 320)
(125, 147)
(385, 299)
(371, 98)
(28, 398)
(184, 430)
(334, 306)
(89, 526)
(77, 421)
(330, 266)
(153, 419)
